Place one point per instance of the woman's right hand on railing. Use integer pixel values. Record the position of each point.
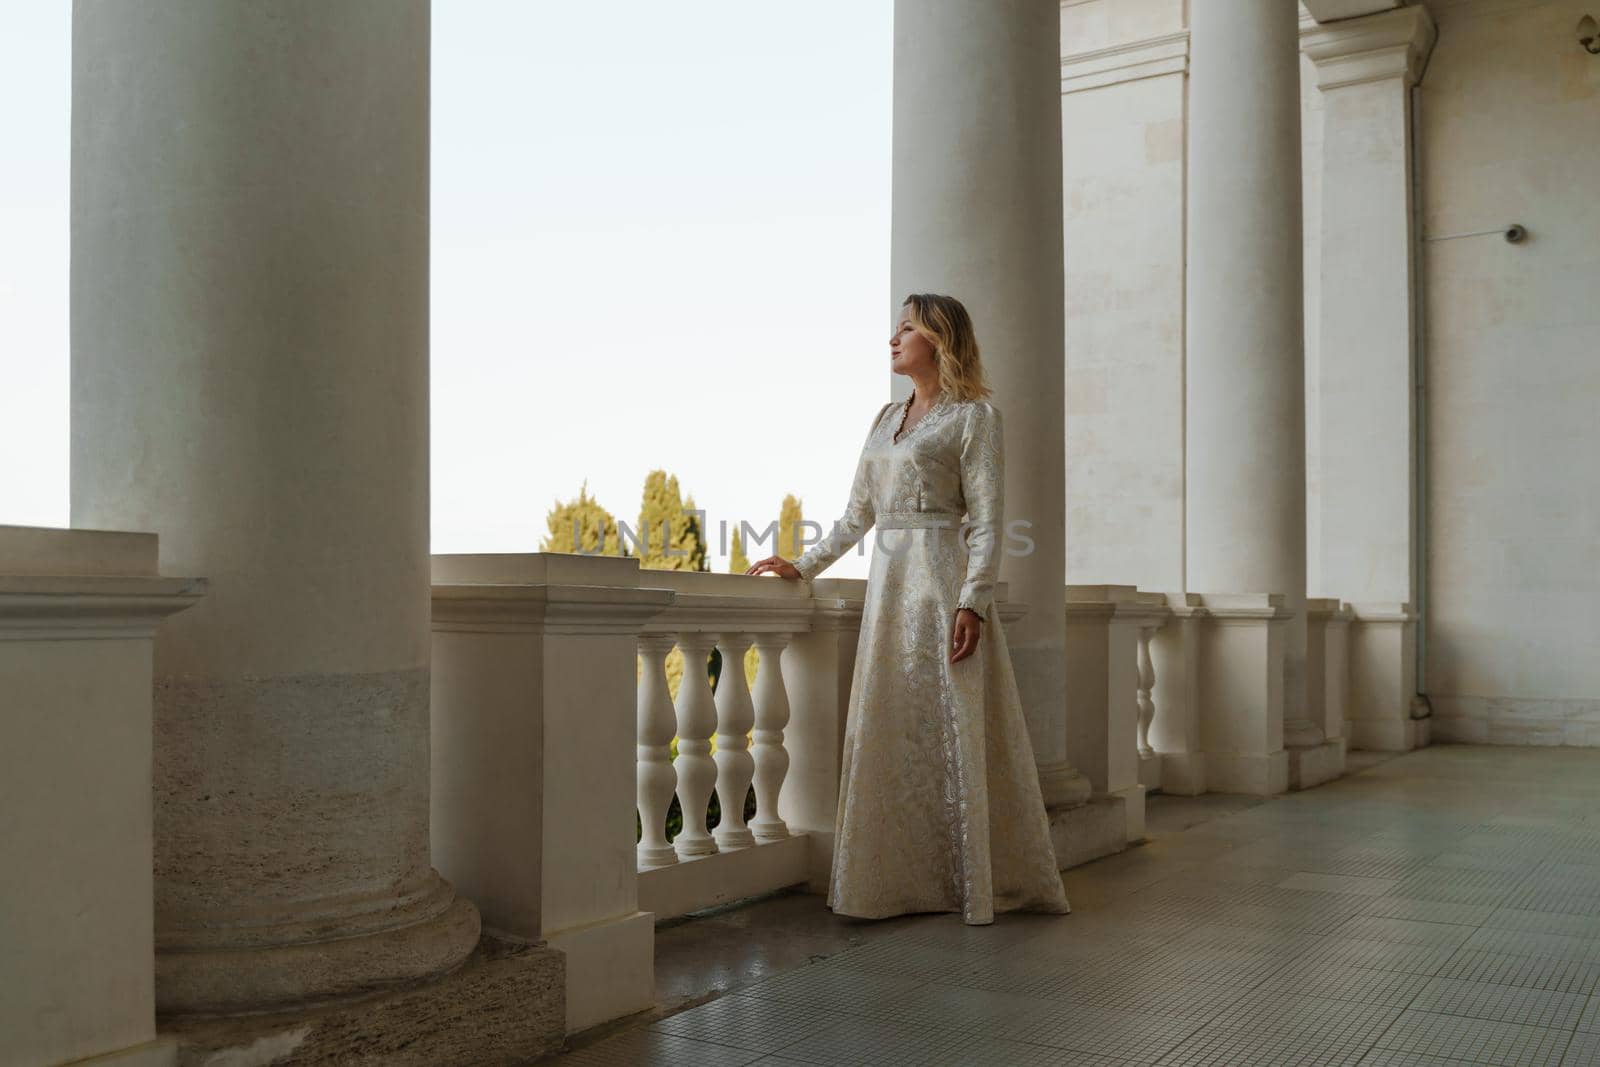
(775, 565)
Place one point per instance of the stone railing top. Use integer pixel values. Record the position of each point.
(536, 568)
(1120, 601)
(1183, 604)
(1245, 605)
(1102, 594)
(36, 550)
(84, 584)
(551, 592)
(1330, 609)
(594, 593)
(1383, 612)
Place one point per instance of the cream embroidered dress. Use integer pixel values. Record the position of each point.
(939, 800)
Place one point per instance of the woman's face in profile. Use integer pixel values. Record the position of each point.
(909, 351)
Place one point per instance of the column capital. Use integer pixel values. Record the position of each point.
(1333, 10)
(1392, 44)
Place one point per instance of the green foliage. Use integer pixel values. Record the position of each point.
(663, 510)
(789, 529)
(713, 815)
(597, 528)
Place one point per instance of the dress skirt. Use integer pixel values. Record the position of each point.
(939, 801)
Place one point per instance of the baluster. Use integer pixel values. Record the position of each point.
(1147, 682)
(735, 766)
(657, 780)
(697, 771)
(771, 758)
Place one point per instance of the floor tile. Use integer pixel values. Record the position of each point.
(1340, 883)
(855, 1041)
(1384, 955)
(651, 1048)
(1528, 943)
(1404, 931)
(823, 985)
(1507, 1004)
(1523, 972)
(1388, 1057)
(1103, 1032)
(1479, 1040)
(1584, 1051)
(1319, 978)
(747, 1023)
(1430, 910)
(1544, 922)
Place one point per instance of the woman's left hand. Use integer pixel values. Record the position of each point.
(964, 634)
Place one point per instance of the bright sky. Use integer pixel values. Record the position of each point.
(660, 239)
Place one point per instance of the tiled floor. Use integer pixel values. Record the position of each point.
(1436, 909)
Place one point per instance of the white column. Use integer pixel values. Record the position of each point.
(250, 381)
(1245, 447)
(977, 215)
(1366, 387)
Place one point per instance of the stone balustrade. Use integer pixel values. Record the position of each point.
(79, 611)
(739, 737)
(553, 730)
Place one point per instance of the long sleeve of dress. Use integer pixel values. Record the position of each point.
(983, 477)
(850, 527)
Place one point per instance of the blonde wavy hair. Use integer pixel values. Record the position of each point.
(945, 322)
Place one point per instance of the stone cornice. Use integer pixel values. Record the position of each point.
(1329, 610)
(1383, 612)
(553, 608)
(1150, 58)
(1225, 606)
(1394, 44)
(93, 607)
(1449, 9)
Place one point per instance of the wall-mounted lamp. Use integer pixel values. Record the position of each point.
(1589, 35)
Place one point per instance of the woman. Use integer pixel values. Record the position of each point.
(939, 800)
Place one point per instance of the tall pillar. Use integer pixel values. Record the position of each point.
(250, 380)
(1245, 410)
(1366, 375)
(977, 215)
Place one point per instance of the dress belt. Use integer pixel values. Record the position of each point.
(915, 520)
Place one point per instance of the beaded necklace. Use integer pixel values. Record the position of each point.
(907, 412)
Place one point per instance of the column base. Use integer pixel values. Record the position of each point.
(1063, 786)
(1150, 772)
(1311, 765)
(159, 1053)
(504, 1005)
(1133, 808)
(224, 981)
(1183, 774)
(1087, 831)
(611, 968)
(1383, 677)
(1255, 775)
(1302, 734)
(1388, 735)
